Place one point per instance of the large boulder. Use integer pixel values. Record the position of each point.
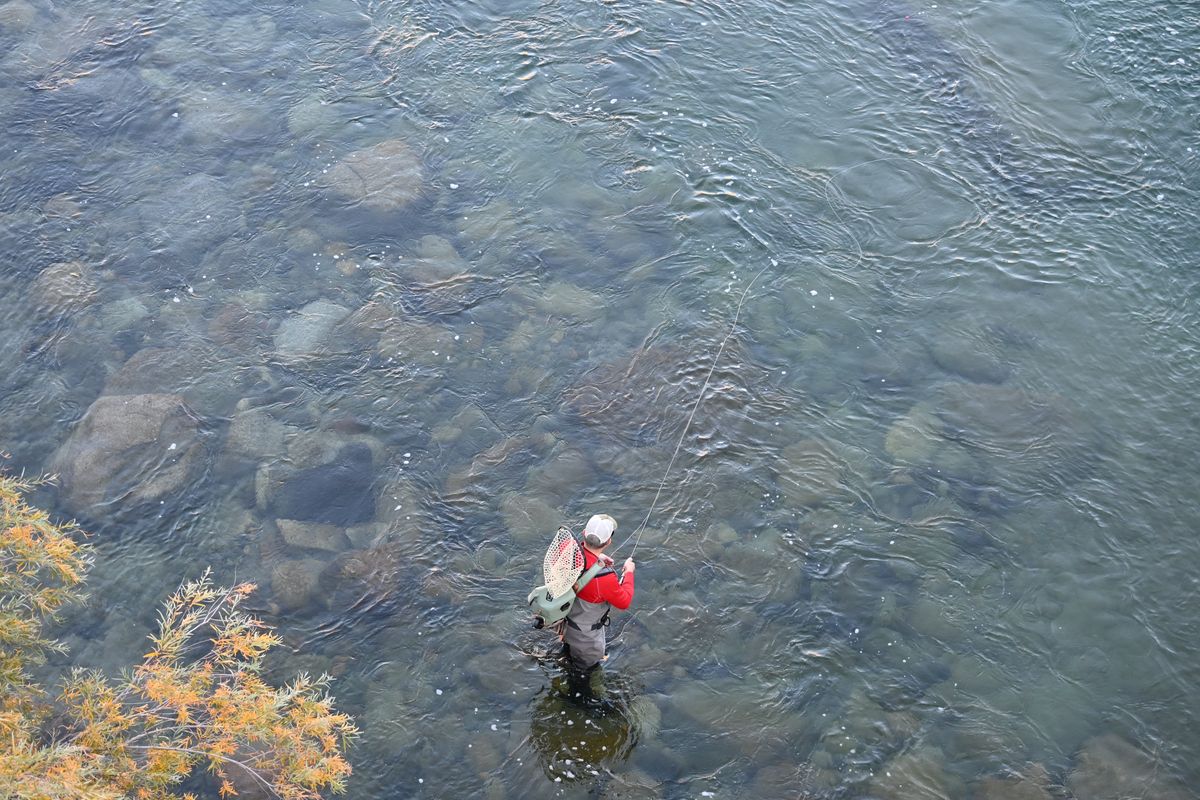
(383, 177)
(130, 449)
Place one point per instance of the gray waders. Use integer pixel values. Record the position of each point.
(584, 630)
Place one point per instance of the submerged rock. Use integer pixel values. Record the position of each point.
(208, 384)
(1021, 434)
(529, 519)
(294, 583)
(1111, 768)
(809, 473)
(341, 492)
(384, 177)
(1032, 784)
(917, 774)
(312, 535)
(16, 15)
(313, 116)
(915, 436)
(189, 217)
(963, 355)
(64, 288)
(123, 315)
(636, 396)
(470, 431)
(237, 327)
(441, 282)
(304, 334)
(256, 434)
(132, 448)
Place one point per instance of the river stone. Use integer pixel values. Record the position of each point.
(256, 434)
(313, 116)
(133, 448)
(237, 327)
(375, 570)
(209, 385)
(64, 288)
(637, 396)
(484, 756)
(958, 354)
(560, 476)
(915, 436)
(244, 41)
(190, 216)
(341, 492)
(809, 473)
(440, 280)
(917, 774)
(418, 342)
(303, 334)
(312, 535)
(1032, 434)
(646, 717)
(496, 670)
(369, 321)
(471, 431)
(399, 498)
(384, 177)
(1030, 785)
(16, 15)
(294, 582)
(529, 519)
(1111, 768)
(632, 784)
(122, 315)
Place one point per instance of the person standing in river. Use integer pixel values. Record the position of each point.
(583, 630)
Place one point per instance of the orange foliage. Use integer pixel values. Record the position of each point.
(141, 735)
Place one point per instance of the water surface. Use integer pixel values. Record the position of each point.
(413, 283)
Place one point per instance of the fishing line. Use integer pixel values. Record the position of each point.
(637, 534)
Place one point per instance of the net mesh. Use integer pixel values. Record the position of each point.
(563, 562)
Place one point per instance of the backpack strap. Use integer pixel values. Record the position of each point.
(594, 571)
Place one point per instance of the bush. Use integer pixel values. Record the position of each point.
(196, 700)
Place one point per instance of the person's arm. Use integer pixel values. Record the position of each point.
(617, 592)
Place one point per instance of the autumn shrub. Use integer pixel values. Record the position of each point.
(196, 701)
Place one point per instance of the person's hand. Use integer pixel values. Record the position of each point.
(606, 560)
(629, 566)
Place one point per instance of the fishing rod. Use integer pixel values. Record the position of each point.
(563, 565)
(637, 534)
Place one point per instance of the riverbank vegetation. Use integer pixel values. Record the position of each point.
(195, 712)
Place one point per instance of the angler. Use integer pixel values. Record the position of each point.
(583, 630)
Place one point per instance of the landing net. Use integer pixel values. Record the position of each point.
(563, 562)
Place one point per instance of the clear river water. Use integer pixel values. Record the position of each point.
(361, 299)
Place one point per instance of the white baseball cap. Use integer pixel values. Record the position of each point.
(601, 527)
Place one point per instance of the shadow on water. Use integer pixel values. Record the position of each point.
(585, 726)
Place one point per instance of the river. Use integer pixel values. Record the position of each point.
(877, 314)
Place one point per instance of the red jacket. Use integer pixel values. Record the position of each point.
(606, 588)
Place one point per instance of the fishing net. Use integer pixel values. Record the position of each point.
(563, 562)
